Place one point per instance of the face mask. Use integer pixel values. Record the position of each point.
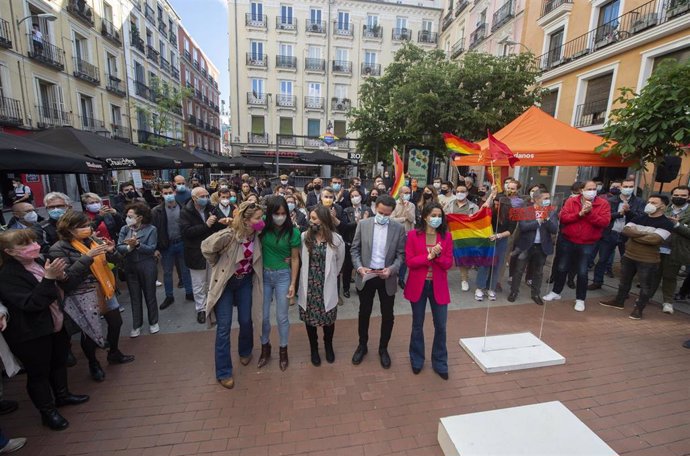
(181, 187)
(627, 191)
(650, 209)
(56, 213)
(461, 196)
(291, 206)
(94, 207)
(589, 194)
(279, 219)
(356, 200)
(131, 221)
(203, 201)
(545, 203)
(336, 187)
(31, 217)
(679, 201)
(437, 185)
(328, 202)
(427, 196)
(317, 188)
(435, 222)
(169, 198)
(223, 187)
(406, 197)
(315, 227)
(599, 187)
(28, 252)
(283, 182)
(83, 233)
(444, 192)
(258, 226)
(481, 193)
(232, 199)
(615, 191)
(225, 202)
(382, 219)
(131, 194)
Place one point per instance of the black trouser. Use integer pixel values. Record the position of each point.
(328, 332)
(114, 321)
(366, 303)
(44, 360)
(141, 279)
(572, 272)
(534, 258)
(645, 274)
(347, 269)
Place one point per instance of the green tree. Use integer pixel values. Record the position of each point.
(423, 94)
(655, 123)
(168, 102)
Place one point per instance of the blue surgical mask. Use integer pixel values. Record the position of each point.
(233, 199)
(291, 206)
(202, 201)
(406, 197)
(56, 213)
(382, 219)
(181, 188)
(169, 198)
(435, 222)
(336, 187)
(546, 203)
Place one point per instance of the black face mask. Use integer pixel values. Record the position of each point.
(427, 196)
(317, 187)
(314, 227)
(131, 194)
(481, 193)
(679, 201)
(615, 191)
(444, 192)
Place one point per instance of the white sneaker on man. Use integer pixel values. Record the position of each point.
(136, 332)
(465, 285)
(153, 329)
(13, 445)
(552, 296)
(492, 295)
(479, 295)
(159, 283)
(668, 308)
(579, 305)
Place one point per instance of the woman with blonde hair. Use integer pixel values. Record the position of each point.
(234, 254)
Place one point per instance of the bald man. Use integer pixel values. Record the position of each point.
(182, 193)
(24, 216)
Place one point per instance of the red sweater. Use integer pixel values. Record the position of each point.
(588, 228)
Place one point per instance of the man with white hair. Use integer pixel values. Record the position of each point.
(56, 203)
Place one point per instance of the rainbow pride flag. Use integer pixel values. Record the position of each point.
(399, 177)
(471, 244)
(459, 145)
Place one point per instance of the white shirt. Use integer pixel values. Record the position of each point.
(378, 246)
(224, 210)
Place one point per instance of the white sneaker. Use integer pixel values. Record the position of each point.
(154, 328)
(479, 295)
(492, 295)
(136, 332)
(668, 308)
(465, 285)
(579, 305)
(122, 309)
(552, 296)
(158, 283)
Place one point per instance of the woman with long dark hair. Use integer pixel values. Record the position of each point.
(280, 242)
(429, 195)
(429, 255)
(323, 253)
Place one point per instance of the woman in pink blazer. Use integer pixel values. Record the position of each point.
(429, 255)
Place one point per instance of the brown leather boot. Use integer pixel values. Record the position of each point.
(265, 355)
(283, 358)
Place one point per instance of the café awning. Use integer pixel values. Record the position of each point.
(321, 157)
(21, 154)
(183, 158)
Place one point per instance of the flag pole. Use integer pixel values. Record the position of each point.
(493, 263)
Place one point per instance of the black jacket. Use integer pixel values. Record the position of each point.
(78, 264)
(636, 209)
(194, 230)
(50, 229)
(159, 219)
(28, 302)
(350, 225)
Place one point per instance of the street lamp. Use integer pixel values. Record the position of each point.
(509, 42)
(47, 16)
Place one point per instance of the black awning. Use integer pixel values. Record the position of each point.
(21, 154)
(321, 157)
(246, 163)
(183, 158)
(117, 154)
(214, 161)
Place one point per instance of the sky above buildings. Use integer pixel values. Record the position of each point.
(207, 22)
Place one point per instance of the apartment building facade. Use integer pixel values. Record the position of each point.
(296, 67)
(150, 30)
(201, 110)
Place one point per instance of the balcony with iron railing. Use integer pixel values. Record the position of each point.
(457, 48)
(313, 143)
(136, 4)
(257, 60)
(639, 20)
(162, 27)
(342, 66)
(340, 104)
(401, 34)
(427, 37)
(286, 62)
(286, 23)
(80, 10)
(119, 132)
(109, 31)
(256, 20)
(503, 15)
(478, 35)
(173, 38)
(177, 109)
(549, 6)
(195, 64)
(154, 139)
(371, 69)
(152, 54)
(317, 65)
(10, 112)
(150, 14)
(86, 71)
(374, 32)
(187, 56)
(257, 99)
(44, 52)
(142, 90)
(447, 20)
(345, 29)
(200, 123)
(52, 117)
(205, 100)
(286, 101)
(313, 103)
(197, 95)
(287, 140)
(257, 138)
(137, 43)
(461, 6)
(591, 113)
(115, 85)
(5, 37)
(91, 124)
(315, 26)
(165, 65)
(175, 72)
(191, 120)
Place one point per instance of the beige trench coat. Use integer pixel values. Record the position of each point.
(223, 252)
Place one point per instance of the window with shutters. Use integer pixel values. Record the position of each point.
(596, 101)
(549, 102)
(258, 125)
(314, 128)
(50, 107)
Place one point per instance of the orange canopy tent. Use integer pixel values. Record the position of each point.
(538, 139)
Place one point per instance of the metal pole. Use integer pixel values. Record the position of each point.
(278, 154)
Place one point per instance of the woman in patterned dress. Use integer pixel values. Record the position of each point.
(323, 253)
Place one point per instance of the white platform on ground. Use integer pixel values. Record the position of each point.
(547, 429)
(510, 352)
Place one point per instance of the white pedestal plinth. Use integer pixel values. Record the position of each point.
(510, 352)
(547, 429)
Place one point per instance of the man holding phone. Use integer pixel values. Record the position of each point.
(378, 251)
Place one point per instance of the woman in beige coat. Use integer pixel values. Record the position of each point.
(236, 281)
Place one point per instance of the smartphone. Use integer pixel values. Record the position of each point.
(96, 240)
(376, 270)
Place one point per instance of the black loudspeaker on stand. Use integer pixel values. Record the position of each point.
(668, 170)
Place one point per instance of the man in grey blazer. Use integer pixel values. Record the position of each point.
(378, 251)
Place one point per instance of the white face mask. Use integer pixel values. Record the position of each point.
(31, 217)
(437, 185)
(356, 200)
(650, 208)
(279, 219)
(225, 201)
(461, 196)
(589, 194)
(131, 221)
(94, 207)
(283, 182)
(627, 191)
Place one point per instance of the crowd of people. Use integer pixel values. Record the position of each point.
(251, 246)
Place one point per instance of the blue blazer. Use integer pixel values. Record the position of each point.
(528, 232)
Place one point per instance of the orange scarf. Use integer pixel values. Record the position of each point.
(100, 270)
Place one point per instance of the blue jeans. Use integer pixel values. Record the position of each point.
(276, 282)
(573, 255)
(169, 257)
(607, 250)
(486, 274)
(237, 293)
(3, 440)
(439, 352)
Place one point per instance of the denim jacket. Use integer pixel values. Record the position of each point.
(148, 238)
